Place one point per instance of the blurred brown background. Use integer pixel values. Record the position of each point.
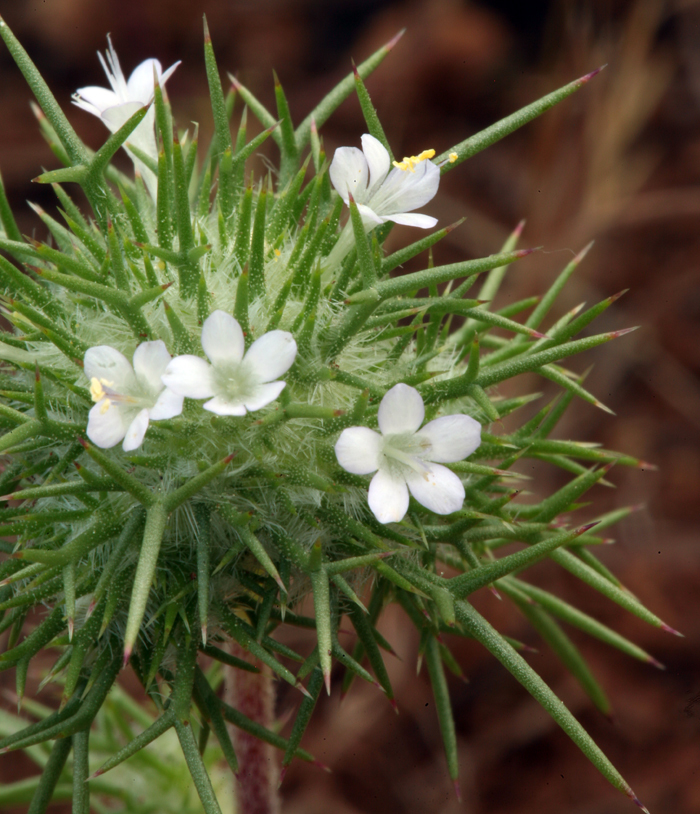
(619, 162)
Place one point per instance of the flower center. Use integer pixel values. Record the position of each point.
(409, 162)
(235, 381)
(102, 390)
(405, 452)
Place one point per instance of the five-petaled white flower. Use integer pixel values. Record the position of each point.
(380, 194)
(128, 397)
(234, 382)
(406, 457)
(117, 105)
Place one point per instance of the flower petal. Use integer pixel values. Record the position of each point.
(135, 433)
(144, 138)
(451, 437)
(110, 366)
(401, 410)
(388, 497)
(222, 338)
(378, 160)
(271, 355)
(264, 394)
(349, 172)
(370, 218)
(221, 406)
(404, 190)
(93, 97)
(169, 405)
(150, 361)
(189, 376)
(106, 427)
(115, 117)
(413, 219)
(112, 68)
(358, 450)
(438, 489)
(169, 72)
(140, 85)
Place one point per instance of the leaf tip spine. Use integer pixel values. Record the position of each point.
(524, 252)
(394, 40)
(672, 630)
(587, 78)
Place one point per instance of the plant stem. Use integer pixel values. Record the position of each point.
(253, 694)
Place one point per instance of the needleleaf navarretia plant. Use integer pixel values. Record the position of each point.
(217, 401)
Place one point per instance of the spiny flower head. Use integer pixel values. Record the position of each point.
(230, 513)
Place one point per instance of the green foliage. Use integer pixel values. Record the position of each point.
(218, 526)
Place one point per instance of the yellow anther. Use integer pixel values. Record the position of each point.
(453, 157)
(96, 390)
(277, 254)
(105, 406)
(409, 162)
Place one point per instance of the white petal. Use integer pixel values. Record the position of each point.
(439, 490)
(189, 376)
(105, 427)
(401, 410)
(113, 70)
(169, 72)
(139, 86)
(452, 438)
(221, 406)
(370, 218)
(144, 137)
(150, 361)
(110, 366)
(358, 450)
(115, 117)
(349, 171)
(222, 338)
(413, 219)
(169, 405)
(99, 98)
(378, 160)
(271, 355)
(264, 394)
(404, 190)
(135, 433)
(388, 497)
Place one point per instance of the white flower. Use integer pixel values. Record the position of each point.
(128, 397)
(234, 383)
(382, 195)
(407, 458)
(117, 105)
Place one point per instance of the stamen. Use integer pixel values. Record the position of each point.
(96, 390)
(452, 158)
(409, 162)
(99, 393)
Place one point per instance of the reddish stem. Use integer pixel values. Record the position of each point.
(253, 694)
